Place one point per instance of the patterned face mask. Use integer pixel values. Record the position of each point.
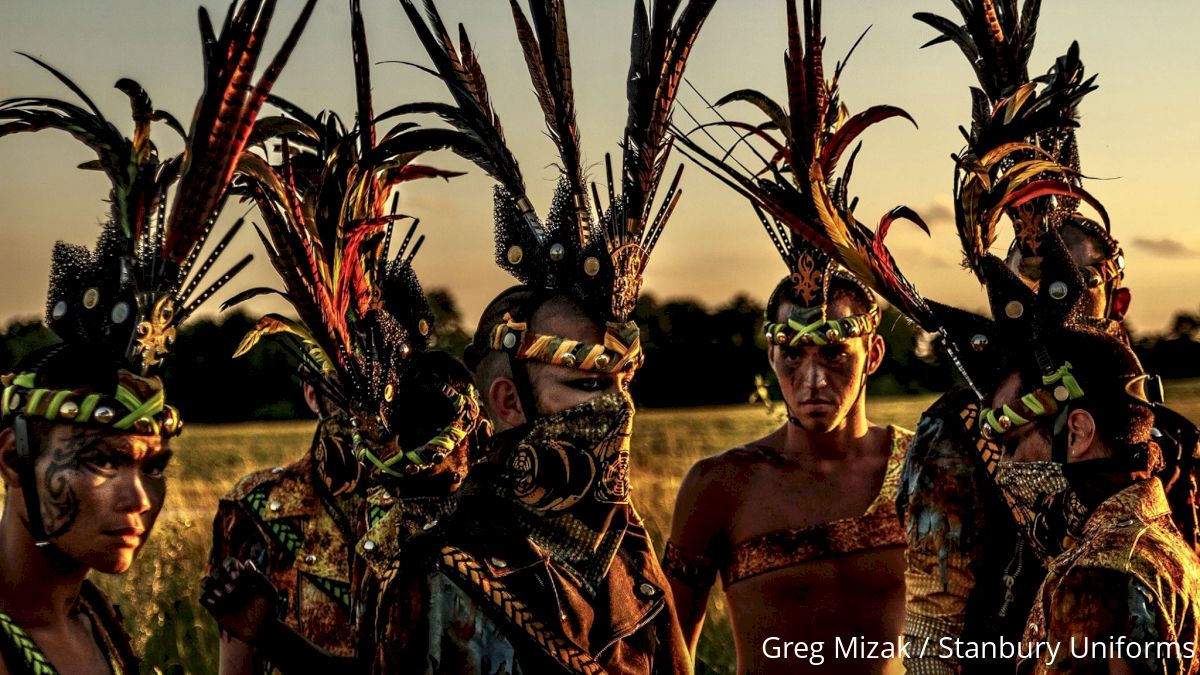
(579, 455)
(1043, 504)
(333, 453)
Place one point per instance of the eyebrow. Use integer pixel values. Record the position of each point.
(134, 452)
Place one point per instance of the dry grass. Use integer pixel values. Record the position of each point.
(159, 595)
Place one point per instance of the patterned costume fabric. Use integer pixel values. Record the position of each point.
(473, 599)
(960, 583)
(1131, 579)
(300, 536)
(21, 655)
(531, 572)
(878, 527)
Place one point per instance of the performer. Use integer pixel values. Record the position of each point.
(398, 422)
(85, 429)
(780, 516)
(1123, 597)
(544, 565)
(835, 471)
(970, 574)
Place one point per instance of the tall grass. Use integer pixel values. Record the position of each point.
(159, 595)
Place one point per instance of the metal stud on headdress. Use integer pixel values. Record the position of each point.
(364, 323)
(593, 255)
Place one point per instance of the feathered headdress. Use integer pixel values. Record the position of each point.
(1021, 148)
(594, 254)
(815, 203)
(125, 298)
(364, 323)
(798, 186)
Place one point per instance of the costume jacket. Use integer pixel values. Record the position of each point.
(287, 521)
(968, 573)
(1130, 578)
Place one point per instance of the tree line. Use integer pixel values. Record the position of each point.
(695, 356)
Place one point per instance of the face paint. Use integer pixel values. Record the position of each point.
(100, 494)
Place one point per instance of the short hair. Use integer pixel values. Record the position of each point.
(523, 303)
(841, 287)
(1102, 365)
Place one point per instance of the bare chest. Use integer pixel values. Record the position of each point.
(71, 650)
(778, 496)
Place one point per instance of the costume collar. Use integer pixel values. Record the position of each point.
(1143, 501)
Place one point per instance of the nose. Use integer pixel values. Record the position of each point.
(133, 497)
(814, 375)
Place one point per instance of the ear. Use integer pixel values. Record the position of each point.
(772, 354)
(1082, 442)
(505, 404)
(876, 349)
(8, 458)
(1118, 304)
(310, 398)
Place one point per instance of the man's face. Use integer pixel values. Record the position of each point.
(823, 384)
(1085, 250)
(559, 388)
(1026, 443)
(100, 493)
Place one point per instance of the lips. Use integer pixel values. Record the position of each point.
(816, 403)
(129, 536)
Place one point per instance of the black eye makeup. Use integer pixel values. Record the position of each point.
(589, 384)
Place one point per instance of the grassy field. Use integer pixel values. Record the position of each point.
(159, 595)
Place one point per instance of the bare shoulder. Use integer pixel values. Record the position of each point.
(721, 478)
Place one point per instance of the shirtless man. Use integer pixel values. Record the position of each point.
(800, 523)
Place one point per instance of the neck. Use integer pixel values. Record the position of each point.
(1094, 481)
(846, 440)
(38, 585)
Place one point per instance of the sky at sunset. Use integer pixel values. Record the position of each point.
(1139, 131)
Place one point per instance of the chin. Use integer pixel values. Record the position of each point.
(112, 562)
(819, 423)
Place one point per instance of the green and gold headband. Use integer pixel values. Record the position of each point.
(798, 331)
(1057, 388)
(400, 462)
(126, 410)
(622, 348)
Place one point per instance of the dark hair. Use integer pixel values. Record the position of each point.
(70, 366)
(518, 301)
(841, 287)
(1102, 364)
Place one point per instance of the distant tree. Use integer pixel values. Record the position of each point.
(22, 337)
(208, 385)
(448, 332)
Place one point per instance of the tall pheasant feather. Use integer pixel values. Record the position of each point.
(146, 268)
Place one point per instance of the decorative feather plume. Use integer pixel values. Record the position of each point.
(144, 278)
(1021, 158)
(327, 229)
(598, 257)
(807, 139)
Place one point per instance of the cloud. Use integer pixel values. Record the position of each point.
(1165, 247)
(937, 213)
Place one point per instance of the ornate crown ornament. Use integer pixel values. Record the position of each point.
(593, 254)
(125, 298)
